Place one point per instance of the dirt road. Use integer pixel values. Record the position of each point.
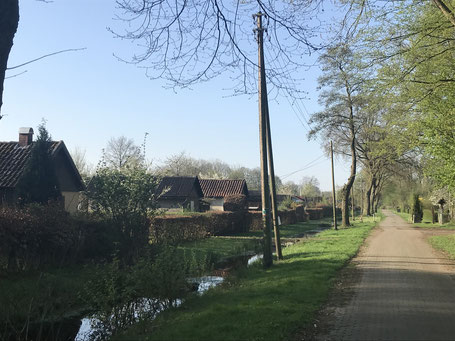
(406, 291)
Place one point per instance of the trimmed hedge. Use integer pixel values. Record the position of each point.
(174, 229)
(37, 236)
(315, 213)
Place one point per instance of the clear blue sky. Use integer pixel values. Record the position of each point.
(87, 97)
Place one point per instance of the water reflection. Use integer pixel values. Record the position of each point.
(92, 328)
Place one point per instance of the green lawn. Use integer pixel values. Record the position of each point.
(242, 243)
(426, 221)
(219, 248)
(294, 230)
(444, 243)
(258, 304)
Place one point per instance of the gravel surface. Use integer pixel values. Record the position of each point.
(403, 290)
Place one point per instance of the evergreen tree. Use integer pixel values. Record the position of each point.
(38, 183)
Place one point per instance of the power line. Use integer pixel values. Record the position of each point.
(308, 165)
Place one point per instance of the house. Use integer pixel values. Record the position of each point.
(215, 191)
(179, 193)
(14, 157)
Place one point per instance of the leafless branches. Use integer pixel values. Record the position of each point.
(190, 41)
(44, 56)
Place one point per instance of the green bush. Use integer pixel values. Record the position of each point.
(127, 199)
(286, 204)
(416, 208)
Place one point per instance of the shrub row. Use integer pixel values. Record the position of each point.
(173, 229)
(37, 236)
(320, 212)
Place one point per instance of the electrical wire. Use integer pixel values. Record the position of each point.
(308, 165)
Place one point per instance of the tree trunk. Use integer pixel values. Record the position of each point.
(374, 197)
(9, 20)
(376, 204)
(347, 187)
(445, 10)
(367, 204)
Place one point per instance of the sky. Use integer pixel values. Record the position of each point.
(89, 96)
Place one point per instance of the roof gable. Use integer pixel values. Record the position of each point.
(178, 186)
(214, 188)
(13, 159)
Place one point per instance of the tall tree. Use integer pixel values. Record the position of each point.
(341, 83)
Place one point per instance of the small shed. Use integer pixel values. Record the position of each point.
(179, 193)
(215, 191)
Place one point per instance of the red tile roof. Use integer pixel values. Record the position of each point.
(220, 188)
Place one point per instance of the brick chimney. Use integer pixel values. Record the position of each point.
(25, 136)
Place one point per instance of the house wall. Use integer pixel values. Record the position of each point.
(71, 201)
(170, 203)
(190, 203)
(216, 204)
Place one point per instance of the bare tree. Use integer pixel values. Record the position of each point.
(309, 187)
(180, 165)
(289, 188)
(122, 152)
(80, 161)
(187, 41)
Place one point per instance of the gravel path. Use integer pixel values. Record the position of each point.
(406, 290)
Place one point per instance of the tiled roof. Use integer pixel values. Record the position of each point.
(12, 162)
(221, 188)
(178, 186)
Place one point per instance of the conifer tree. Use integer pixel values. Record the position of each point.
(38, 183)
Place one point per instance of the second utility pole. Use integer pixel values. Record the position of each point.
(265, 192)
(334, 199)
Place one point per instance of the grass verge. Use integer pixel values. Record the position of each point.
(258, 304)
(444, 243)
(294, 230)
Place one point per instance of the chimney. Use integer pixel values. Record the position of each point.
(25, 136)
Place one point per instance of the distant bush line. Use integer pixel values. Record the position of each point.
(175, 229)
(35, 236)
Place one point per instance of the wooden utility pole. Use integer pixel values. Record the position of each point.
(276, 227)
(333, 190)
(265, 192)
